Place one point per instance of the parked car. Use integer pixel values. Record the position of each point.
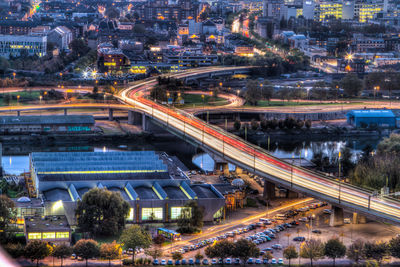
(169, 262)
(327, 211)
(316, 231)
(214, 262)
(237, 261)
(280, 261)
(191, 261)
(250, 261)
(156, 262)
(265, 261)
(163, 262)
(228, 261)
(273, 261)
(177, 262)
(184, 262)
(197, 262)
(205, 262)
(299, 238)
(277, 246)
(258, 261)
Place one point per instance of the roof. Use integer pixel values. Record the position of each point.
(371, 113)
(203, 191)
(46, 224)
(52, 119)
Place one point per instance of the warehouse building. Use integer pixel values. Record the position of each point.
(47, 124)
(382, 118)
(150, 182)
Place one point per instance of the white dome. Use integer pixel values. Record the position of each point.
(238, 182)
(24, 199)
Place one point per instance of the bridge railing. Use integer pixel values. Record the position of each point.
(334, 180)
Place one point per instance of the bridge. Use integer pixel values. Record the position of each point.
(241, 153)
(257, 160)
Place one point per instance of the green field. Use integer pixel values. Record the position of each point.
(192, 100)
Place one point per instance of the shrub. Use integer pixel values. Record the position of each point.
(251, 203)
(308, 124)
(237, 124)
(127, 262)
(254, 124)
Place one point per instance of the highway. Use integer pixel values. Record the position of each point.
(257, 160)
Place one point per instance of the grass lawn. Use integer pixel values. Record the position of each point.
(24, 97)
(274, 103)
(192, 100)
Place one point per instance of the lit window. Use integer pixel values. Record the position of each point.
(62, 235)
(152, 214)
(49, 235)
(130, 215)
(176, 212)
(34, 236)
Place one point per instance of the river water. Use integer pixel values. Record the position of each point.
(15, 159)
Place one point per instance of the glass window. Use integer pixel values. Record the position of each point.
(62, 234)
(152, 214)
(49, 235)
(131, 214)
(176, 212)
(34, 236)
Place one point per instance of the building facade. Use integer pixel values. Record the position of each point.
(15, 45)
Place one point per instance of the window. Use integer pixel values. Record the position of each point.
(34, 236)
(49, 235)
(176, 212)
(130, 215)
(62, 235)
(152, 214)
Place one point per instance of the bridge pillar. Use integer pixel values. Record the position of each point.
(222, 168)
(110, 114)
(65, 112)
(336, 217)
(359, 219)
(269, 190)
(131, 118)
(18, 113)
(238, 170)
(144, 128)
(291, 194)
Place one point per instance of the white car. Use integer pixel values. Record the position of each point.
(163, 262)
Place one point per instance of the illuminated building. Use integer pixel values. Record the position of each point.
(150, 182)
(15, 44)
(52, 229)
(367, 11)
(188, 60)
(328, 10)
(111, 59)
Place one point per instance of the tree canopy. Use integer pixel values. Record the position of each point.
(334, 249)
(101, 212)
(135, 238)
(312, 249)
(191, 218)
(37, 250)
(290, 253)
(61, 252)
(7, 214)
(86, 249)
(351, 85)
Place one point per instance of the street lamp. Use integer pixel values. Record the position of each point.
(202, 96)
(40, 99)
(18, 96)
(340, 155)
(376, 88)
(14, 74)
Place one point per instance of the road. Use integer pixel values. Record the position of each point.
(259, 161)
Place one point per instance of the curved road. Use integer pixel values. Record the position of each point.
(257, 160)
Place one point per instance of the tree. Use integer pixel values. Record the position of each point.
(308, 124)
(334, 248)
(199, 256)
(102, 212)
(177, 256)
(237, 124)
(7, 214)
(376, 250)
(4, 65)
(155, 252)
(253, 92)
(351, 85)
(394, 247)
(86, 249)
(267, 91)
(110, 251)
(14, 250)
(79, 47)
(61, 252)
(290, 253)
(245, 249)
(191, 218)
(312, 249)
(254, 124)
(355, 252)
(37, 250)
(158, 239)
(135, 238)
(221, 249)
